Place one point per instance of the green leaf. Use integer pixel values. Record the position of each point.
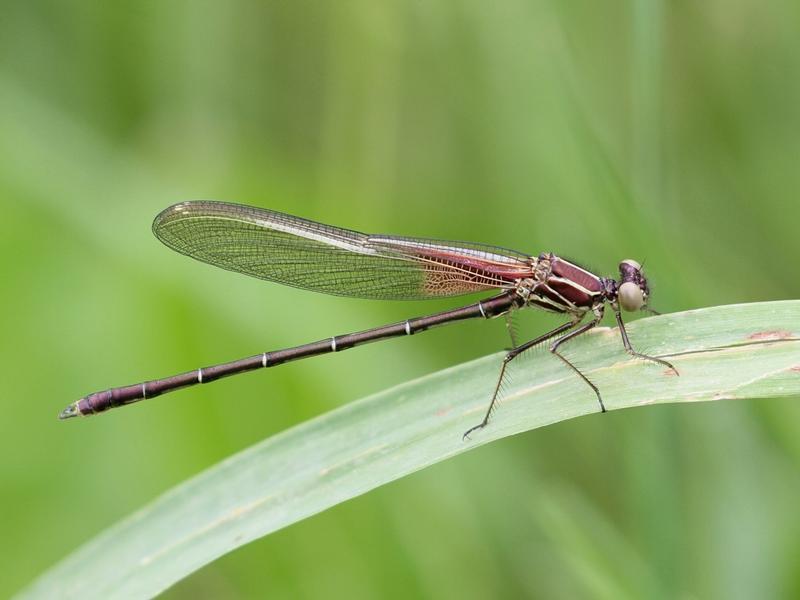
(739, 351)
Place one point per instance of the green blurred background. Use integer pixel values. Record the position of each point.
(666, 132)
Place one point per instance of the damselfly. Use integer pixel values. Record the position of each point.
(322, 258)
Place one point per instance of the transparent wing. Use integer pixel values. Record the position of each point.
(309, 255)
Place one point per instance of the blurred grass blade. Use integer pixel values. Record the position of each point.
(739, 351)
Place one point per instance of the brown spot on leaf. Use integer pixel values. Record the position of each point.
(443, 411)
(795, 368)
(777, 334)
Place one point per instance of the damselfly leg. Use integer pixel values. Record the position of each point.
(511, 328)
(508, 358)
(572, 335)
(629, 349)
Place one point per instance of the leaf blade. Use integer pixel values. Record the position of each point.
(738, 351)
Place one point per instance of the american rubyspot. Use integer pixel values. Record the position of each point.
(322, 258)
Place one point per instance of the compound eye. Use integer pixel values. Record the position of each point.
(631, 263)
(630, 296)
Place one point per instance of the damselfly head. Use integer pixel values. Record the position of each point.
(633, 291)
